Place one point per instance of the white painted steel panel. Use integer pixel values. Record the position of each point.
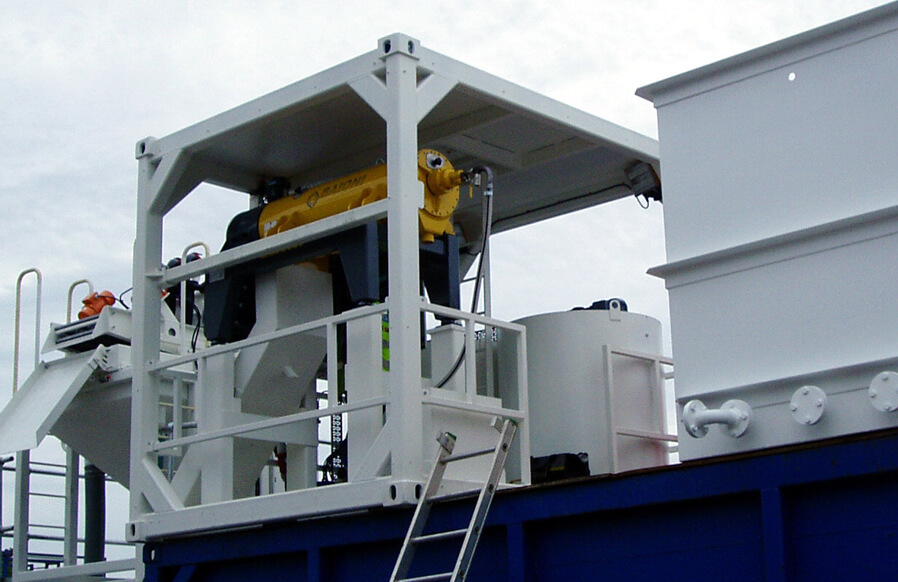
(798, 309)
(781, 218)
(758, 155)
(42, 399)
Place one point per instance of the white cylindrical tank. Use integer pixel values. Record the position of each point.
(583, 392)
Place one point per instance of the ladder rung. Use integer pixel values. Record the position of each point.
(472, 454)
(429, 578)
(443, 535)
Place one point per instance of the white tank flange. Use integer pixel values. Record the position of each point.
(734, 417)
(883, 392)
(808, 405)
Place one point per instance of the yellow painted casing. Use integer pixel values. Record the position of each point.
(440, 181)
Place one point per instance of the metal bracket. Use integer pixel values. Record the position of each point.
(398, 43)
(447, 441)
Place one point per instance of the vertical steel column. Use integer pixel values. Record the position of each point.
(774, 536)
(3, 461)
(313, 566)
(72, 467)
(70, 528)
(21, 517)
(145, 330)
(517, 554)
(405, 197)
(94, 514)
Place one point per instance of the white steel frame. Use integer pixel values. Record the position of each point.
(168, 172)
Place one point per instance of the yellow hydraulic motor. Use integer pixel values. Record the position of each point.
(440, 179)
(229, 311)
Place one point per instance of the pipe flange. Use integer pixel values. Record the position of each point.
(883, 392)
(691, 411)
(808, 405)
(743, 419)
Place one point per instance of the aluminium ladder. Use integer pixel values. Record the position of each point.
(506, 428)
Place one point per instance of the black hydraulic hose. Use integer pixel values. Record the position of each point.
(487, 195)
(487, 230)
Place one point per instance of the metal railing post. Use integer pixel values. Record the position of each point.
(23, 458)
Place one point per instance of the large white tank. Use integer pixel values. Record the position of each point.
(781, 226)
(594, 382)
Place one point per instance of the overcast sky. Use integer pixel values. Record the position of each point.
(81, 82)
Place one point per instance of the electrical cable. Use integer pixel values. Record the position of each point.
(121, 295)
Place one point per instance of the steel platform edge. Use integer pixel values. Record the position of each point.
(821, 511)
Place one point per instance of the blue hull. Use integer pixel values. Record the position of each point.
(822, 512)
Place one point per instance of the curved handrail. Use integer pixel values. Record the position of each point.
(37, 323)
(68, 305)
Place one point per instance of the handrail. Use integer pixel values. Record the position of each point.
(471, 320)
(272, 244)
(467, 315)
(68, 305)
(356, 313)
(474, 407)
(37, 324)
(269, 423)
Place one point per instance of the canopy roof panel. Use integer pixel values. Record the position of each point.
(548, 158)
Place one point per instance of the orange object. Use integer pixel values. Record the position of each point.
(95, 303)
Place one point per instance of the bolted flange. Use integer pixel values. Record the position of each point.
(808, 405)
(691, 414)
(883, 392)
(743, 417)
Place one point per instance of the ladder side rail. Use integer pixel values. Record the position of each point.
(658, 377)
(469, 545)
(422, 511)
